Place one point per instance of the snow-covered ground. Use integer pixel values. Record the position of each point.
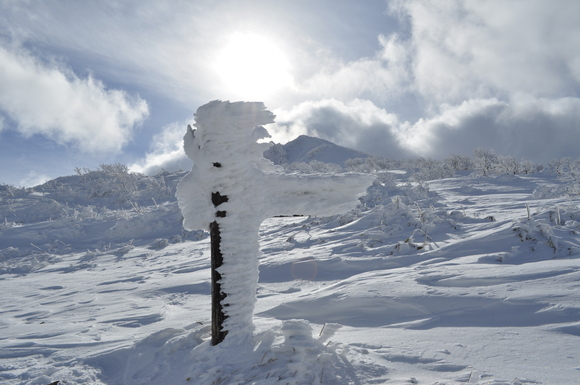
(460, 280)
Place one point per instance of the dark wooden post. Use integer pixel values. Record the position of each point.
(217, 313)
(217, 296)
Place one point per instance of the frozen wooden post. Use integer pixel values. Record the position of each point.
(231, 189)
(217, 295)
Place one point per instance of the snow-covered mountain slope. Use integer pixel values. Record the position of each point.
(459, 280)
(307, 149)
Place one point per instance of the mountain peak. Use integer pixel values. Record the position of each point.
(307, 149)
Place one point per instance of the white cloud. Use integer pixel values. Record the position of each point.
(166, 152)
(457, 129)
(48, 99)
(169, 47)
(539, 129)
(481, 49)
(494, 74)
(33, 178)
(383, 77)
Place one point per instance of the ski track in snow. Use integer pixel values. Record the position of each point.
(451, 286)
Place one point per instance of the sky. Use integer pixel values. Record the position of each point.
(84, 83)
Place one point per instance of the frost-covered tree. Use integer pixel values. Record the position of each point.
(568, 170)
(231, 189)
(486, 161)
(562, 165)
(508, 165)
(424, 169)
(459, 162)
(371, 164)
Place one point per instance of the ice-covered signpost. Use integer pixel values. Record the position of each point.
(231, 189)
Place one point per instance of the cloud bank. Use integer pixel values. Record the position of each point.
(495, 74)
(471, 49)
(526, 127)
(48, 99)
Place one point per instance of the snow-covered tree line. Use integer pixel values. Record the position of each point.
(117, 183)
(114, 183)
(483, 162)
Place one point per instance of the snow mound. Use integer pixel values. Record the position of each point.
(288, 354)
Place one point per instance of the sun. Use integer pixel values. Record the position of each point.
(251, 66)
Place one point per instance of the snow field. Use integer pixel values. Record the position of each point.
(446, 282)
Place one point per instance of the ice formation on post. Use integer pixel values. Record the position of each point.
(232, 186)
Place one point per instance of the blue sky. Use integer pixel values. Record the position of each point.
(90, 82)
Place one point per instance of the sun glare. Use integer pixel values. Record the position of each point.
(251, 66)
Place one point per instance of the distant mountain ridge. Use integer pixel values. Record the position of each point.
(307, 149)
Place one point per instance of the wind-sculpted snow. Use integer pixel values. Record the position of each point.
(60, 217)
(465, 280)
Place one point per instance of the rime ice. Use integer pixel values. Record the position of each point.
(228, 160)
